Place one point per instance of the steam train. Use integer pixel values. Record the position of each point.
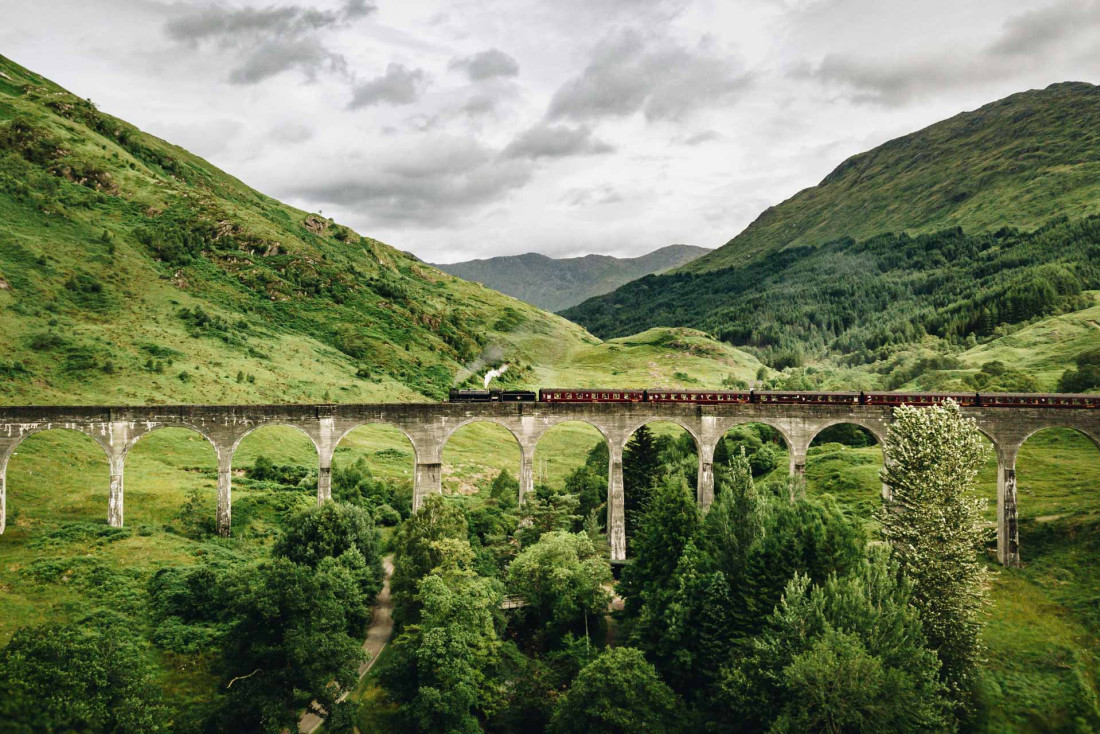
(722, 397)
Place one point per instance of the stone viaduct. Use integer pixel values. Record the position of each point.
(428, 426)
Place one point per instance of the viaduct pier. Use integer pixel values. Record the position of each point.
(429, 425)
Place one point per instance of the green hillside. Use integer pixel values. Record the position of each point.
(939, 241)
(556, 284)
(133, 271)
(1016, 162)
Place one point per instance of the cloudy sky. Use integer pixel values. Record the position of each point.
(470, 128)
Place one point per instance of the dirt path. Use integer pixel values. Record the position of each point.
(381, 627)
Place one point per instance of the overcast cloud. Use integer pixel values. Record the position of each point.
(473, 128)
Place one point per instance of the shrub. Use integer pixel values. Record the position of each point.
(45, 341)
(386, 516)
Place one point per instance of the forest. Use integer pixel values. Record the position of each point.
(858, 302)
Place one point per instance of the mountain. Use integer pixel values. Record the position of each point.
(132, 271)
(960, 233)
(556, 284)
(1016, 162)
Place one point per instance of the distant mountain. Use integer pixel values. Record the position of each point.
(556, 284)
(1015, 162)
(960, 231)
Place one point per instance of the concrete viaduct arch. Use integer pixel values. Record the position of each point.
(429, 425)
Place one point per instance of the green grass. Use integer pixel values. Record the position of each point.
(1043, 349)
(659, 357)
(476, 453)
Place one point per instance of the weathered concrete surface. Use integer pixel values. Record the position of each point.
(429, 425)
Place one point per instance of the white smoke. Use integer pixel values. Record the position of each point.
(490, 354)
(494, 373)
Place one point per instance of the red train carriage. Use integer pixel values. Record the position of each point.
(814, 398)
(707, 397)
(590, 395)
(919, 398)
(1037, 400)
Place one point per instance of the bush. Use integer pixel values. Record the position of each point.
(1085, 377)
(80, 359)
(764, 460)
(617, 692)
(45, 341)
(88, 677)
(287, 475)
(386, 516)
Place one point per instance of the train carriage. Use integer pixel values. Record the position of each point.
(590, 395)
(1037, 400)
(812, 398)
(705, 397)
(897, 398)
(724, 397)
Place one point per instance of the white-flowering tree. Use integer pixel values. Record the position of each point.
(936, 526)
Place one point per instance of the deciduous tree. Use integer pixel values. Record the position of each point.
(618, 693)
(936, 526)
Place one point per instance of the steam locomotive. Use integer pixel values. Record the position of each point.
(722, 397)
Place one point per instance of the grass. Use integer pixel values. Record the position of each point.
(659, 357)
(1043, 349)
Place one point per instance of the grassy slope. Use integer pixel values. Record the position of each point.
(305, 306)
(1043, 349)
(650, 359)
(1011, 162)
(555, 284)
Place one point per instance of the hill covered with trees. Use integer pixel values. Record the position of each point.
(950, 237)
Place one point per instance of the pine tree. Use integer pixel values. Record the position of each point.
(936, 526)
(641, 467)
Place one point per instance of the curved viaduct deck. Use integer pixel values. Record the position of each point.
(429, 425)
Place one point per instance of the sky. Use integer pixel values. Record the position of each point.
(457, 129)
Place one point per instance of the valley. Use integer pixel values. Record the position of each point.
(961, 258)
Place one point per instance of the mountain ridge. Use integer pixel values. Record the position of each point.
(558, 283)
(1013, 162)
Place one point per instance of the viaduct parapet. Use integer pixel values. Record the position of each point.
(429, 425)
